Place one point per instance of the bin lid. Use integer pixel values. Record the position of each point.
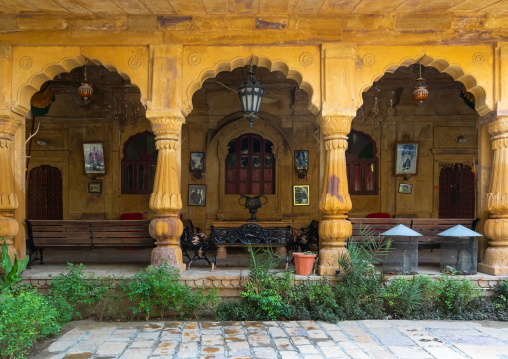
(459, 231)
(401, 230)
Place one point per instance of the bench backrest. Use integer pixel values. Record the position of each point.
(97, 233)
(427, 227)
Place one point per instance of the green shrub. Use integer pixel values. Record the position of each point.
(235, 310)
(157, 290)
(76, 295)
(314, 300)
(452, 295)
(25, 317)
(11, 272)
(405, 297)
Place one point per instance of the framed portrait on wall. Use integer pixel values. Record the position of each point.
(301, 195)
(406, 158)
(197, 195)
(405, 188)
(94, 187)
(93, 158)
(301, 160)
(197, 161)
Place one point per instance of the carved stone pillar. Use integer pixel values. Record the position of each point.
(8, 199)
(495, 261)
(335, 202)
(166, 199)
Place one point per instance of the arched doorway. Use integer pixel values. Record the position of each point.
(456, 191)
(45, 193)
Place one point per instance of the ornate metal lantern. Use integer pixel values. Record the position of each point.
(420, 93)
(85, 90)
(251, 92)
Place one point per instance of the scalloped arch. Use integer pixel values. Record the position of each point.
(21, 104)
(441, 65)
(259, 61)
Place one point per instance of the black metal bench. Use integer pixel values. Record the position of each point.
(250, 234)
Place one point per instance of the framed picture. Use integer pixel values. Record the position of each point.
(301, 160)
(406, 158)
(301, 195)
(197, 161)
(197, 195)
(93, 155)
(405, 188)
(94, 187)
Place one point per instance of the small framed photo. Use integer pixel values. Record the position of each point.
(405, 188)
(197, 161)
(301, 160)
(94, 187)
(93, 155)
(197, 195)
(406, 158)
(301, 195)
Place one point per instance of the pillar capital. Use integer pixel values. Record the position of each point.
(335, 123)
(8, 126)
(166, 125)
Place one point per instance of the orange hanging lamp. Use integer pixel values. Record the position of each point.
(420, 93)
(85, 90)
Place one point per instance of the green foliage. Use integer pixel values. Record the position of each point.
(235, 310)
(404, 297)
(11, 271)
(314, 300)
(501, 300)
(25, 317)
(76, 295)
(451, 296)
(157, 290)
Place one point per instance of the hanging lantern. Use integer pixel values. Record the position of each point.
(251, 92)
(420, 93)
(85, 90)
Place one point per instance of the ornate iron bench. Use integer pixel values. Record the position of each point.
(249, 234)
(192, 239)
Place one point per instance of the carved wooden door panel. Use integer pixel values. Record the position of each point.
(45, 193)
(456, 191)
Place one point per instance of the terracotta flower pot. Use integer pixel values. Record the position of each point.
(304, 263)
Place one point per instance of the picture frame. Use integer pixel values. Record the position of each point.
(94, 187)
(197, 162)
(406, 158)
(301, 160)
(197, 195)
(405, 188)
(93, 158)
(301, 195)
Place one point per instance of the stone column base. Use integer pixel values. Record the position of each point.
(495, 261)
(329, 260)
(166, 254)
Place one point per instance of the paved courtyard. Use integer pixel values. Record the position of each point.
(304, 339)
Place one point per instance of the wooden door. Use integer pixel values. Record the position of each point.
(456, 191)
(45, 193)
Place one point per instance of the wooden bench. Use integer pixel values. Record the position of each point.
(97, 233)
(255, 234)
(427, 227)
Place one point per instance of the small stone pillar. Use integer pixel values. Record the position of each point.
(8, 198)
(495, 261)
(335, 201)
(166, 198)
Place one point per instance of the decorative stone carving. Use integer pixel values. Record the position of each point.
(306, 59)
(478, 58)
(25, 62)
(135, 62)
(167, 232)
(194, 59)
(335, 201)
(496, 228)
(369, 59)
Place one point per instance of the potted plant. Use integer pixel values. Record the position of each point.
(304, 262)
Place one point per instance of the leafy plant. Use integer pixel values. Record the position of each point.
(25, 317)
(404, 297)
(11, 271)
(76, 295)
(451, 296)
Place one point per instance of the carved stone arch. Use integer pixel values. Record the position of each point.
(473, 70)
(31, 72)
(301, 64)
(218, 150)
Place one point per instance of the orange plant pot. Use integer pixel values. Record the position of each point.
(304, 263)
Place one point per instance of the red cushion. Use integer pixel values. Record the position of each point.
(131, 216)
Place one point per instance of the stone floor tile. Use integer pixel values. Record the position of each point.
(283, 344)
(363, 339)
(356, 354)
(236, 338)
(301, 340)
(147, 335)
(187, 350)
(317, 334)
(328, 326)
(153, 327)
(125, 333)
(309, 324)
(313, 356)
(349, 345)
(172, 325)
(237, 345)
(296, 332)
(444, 352)
(111, 348)
(191, 325)
(87, 346)
(73, 335)
(165, 336)
(215, 331)
(136, 354)
(233, 329)
(265, 353)
(161, 357)
(212, 356)
(289, 355)
(142, 344)
(212, 339)
(410, 352)
(61, 345)
(270, 324)
(290, 324)
(324, 343)
(377, 323)
(428, 341)
(239, 353)
(260, 340)
(443, 324)
(337, 336)
(483, 352)
(307, 349)
(192, 336)
(212, 350)
(165, 348)
(55, 356)
(277, 332)
(355, 331)
(333, 352)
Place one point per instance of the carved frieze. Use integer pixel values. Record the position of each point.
(335, 125)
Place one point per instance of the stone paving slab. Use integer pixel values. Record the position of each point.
(280, 340)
